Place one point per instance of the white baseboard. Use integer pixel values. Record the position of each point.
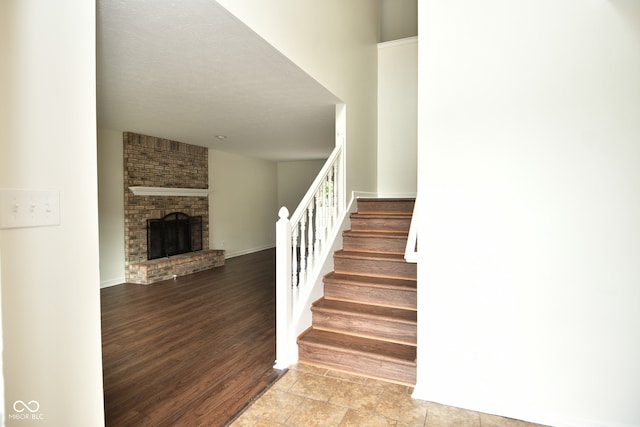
(112, 282)
(393, 195)
(241, 252)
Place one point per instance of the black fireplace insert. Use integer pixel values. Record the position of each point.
(173, 234)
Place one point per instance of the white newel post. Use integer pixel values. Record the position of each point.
(283, 290)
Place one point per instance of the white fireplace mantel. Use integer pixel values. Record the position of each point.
(166, 191)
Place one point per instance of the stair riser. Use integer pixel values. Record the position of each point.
(357, 363)
(391, 224)
(371, 295)
(375, 267)
(382, 329)
(385, 205)
(374, 244)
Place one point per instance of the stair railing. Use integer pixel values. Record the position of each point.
(302, 245)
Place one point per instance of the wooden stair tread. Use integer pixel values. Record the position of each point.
(381, 215)
(385, 214)
(395, 221)
(377, 233)
(378, 241)
(393, 257)
(365, 310)
(371, 290)
(393, 205)
(387, 199)
(384, 351)
(372, 281)
(367, 263)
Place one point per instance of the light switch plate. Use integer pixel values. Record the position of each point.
(29, 208)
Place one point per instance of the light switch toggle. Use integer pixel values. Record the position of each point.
(29, 208)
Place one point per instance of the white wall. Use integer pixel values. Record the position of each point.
(50, 275)
(111, 206)
(530, 192)
(398, 116)
(334, 41)
(294, 179)
(243, 206)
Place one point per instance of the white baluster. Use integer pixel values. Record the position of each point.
(295, 296)
(319, 222)
(310, 238)
(331, 217)
(303, 250)
(294, 256)
(325, 210)
(334, 192)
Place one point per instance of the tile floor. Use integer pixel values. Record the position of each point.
(307, 396)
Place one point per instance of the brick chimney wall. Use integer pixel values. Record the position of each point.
(157, 162)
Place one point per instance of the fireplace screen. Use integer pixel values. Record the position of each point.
(175, 233)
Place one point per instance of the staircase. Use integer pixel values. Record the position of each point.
(366, 322)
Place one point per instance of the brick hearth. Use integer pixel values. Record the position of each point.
(159, 269)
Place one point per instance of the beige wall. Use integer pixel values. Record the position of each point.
(242, 203)
(398, 117)
(336, 43)
(398, 20)
(294, 179)
(50, 275)
(529, 185)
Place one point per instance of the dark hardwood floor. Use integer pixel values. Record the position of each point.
(192, 351)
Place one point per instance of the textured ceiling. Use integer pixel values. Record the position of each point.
(188, 70)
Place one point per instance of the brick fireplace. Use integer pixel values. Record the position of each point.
(160, 177)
